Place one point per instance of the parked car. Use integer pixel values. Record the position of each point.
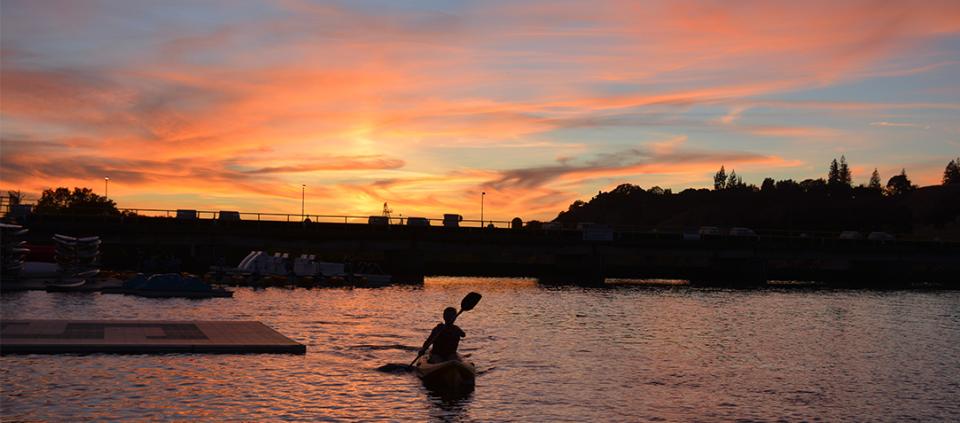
(378, 220)
(418, 221)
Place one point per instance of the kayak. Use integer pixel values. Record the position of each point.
(452, 375)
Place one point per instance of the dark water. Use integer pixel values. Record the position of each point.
(547, 354)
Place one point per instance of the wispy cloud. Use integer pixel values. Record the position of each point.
(899, 125)
(631, 163)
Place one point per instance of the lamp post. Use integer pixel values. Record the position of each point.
(482, 194)
(106, 186)
(303, 196)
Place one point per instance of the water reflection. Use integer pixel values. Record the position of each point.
(449, 406)
(544, 354)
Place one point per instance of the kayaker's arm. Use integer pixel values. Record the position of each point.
(433, 334)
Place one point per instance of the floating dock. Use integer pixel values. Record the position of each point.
(142, 337)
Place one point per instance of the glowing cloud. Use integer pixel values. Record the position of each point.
(425, 106)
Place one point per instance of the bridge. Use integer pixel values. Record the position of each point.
(553, 256)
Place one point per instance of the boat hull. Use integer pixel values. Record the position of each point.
(157, 293)
(447, 376)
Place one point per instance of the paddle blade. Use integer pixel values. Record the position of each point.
(395, 368)
(470, 301)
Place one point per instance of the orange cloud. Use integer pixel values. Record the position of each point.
(366, 106)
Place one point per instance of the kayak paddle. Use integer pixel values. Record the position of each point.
(467, 304)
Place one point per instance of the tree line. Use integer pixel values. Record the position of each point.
(839, 177)
(62, 200)
(828, 204)
(824, 204)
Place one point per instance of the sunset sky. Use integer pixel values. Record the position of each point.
(234, 104)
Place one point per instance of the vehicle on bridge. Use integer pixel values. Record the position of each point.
(452, 220)
(228, 216)
(186, 214)
(378, 220)
(418, 221)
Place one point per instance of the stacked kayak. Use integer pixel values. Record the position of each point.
(77, 255)
(12, 251)
(77, 260)
(452, 376)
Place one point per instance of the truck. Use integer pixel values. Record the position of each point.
(452, 220)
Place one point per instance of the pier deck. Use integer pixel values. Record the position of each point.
(142, 337)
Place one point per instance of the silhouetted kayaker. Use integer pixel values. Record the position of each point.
(445, 338)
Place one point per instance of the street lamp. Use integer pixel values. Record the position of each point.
(106, 186)
(482, 194)
(303, 196)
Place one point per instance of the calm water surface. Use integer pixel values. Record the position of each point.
(546, 354)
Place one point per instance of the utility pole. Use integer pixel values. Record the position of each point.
(482, 194)
(106, 187)
(303, 196)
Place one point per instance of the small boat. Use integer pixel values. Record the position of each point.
(77, 282)
(40, 270)
(75, 240)
(452, 376)
(369, 275)
(168, 285)
(260, 263)
(65, 285)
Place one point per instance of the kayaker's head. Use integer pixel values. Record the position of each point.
(449, 315)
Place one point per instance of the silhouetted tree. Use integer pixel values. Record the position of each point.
(14, 197)
(720, 179)
(844, 172)
(809, 205)
(734, 181)
(813, 185)
(833, 176)
(900, 184)
(625, 189)
(79, 201)
(951, 174)
(875, 180)
(768, 185)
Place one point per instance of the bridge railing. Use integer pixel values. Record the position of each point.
(467, 223)
(190, 214)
